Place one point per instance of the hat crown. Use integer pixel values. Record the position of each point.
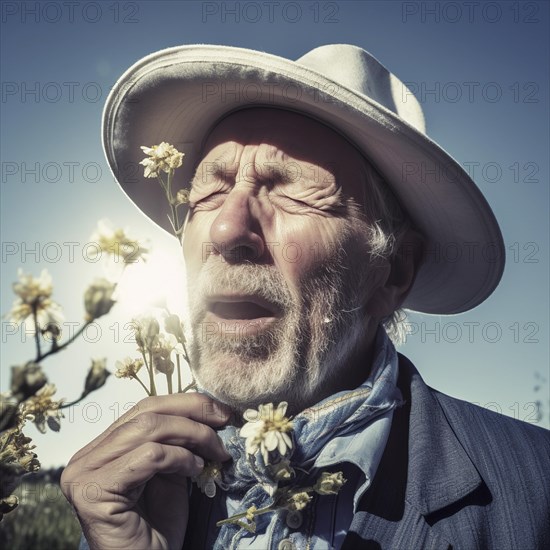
(356, 69)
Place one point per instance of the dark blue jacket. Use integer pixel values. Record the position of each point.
(455, 475)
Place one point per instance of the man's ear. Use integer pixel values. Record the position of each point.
(403, 267)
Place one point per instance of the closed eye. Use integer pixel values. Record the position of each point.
(290, 204)
(211, 202)
(297, 206)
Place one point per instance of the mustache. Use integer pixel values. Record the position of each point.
(218, 277)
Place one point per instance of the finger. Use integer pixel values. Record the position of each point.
(149, 459)
(195, 406)
(123, 480)
(160, 428)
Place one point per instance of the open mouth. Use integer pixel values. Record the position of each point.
(239, 308)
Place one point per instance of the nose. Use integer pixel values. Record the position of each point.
(236, 231)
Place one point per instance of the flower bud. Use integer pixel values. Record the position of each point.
(163, 363)
(329, 484)
(298, 501)
(98, 299)
(182, 196)
(97, 376)
(27, 380)
(173, 325)
(282, 471)
(8, 504)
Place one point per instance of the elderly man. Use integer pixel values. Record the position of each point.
(316, 205)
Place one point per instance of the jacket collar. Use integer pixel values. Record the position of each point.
(430, 472)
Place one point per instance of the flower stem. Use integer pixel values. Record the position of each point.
(233, 519)
(172, 202)
(40, 357)
(135, 377)
(36, 334)
(179, 371)
(149, 369)
(191, 386)
(71, 403)
(169, 382)
(152, 374)
(185, 354)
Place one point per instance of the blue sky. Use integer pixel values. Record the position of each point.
(480, 71)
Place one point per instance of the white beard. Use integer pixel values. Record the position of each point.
(299, 358)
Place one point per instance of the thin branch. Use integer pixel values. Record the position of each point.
(64, 345)
(36, 333)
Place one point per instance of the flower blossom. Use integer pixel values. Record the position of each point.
(42, 410)
(34, 294)
(160, 158)
(298, 501)
(17, 451)
(31, 289)
(267, 430)
(210, 476)
(182, 196)
(117, 242)
(128, 367)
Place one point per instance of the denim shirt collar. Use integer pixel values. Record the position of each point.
(360, 437)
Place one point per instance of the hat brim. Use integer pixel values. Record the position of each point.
(177, 95)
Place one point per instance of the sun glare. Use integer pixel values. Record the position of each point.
(158, 282)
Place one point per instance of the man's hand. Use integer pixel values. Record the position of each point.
(129, 485)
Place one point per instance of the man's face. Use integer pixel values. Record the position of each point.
(278, 265)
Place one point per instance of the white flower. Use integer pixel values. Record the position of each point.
(298, 501)
(267, 430)
(210, 476)
(117, 242)
(31, 289)
(182, 196)
(161, 158)
(42, 410)
(128, 367)
(35, 294)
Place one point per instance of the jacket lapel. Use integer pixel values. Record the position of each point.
(424, 473)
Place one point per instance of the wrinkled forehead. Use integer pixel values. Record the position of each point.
(294, 136)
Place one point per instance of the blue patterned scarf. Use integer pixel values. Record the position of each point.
(341, 414)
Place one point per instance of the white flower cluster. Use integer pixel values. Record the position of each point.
(161, 158)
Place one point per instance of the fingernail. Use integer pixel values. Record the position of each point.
(223, 411)
(199, 462)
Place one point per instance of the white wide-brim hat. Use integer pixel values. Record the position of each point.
(179, 94)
